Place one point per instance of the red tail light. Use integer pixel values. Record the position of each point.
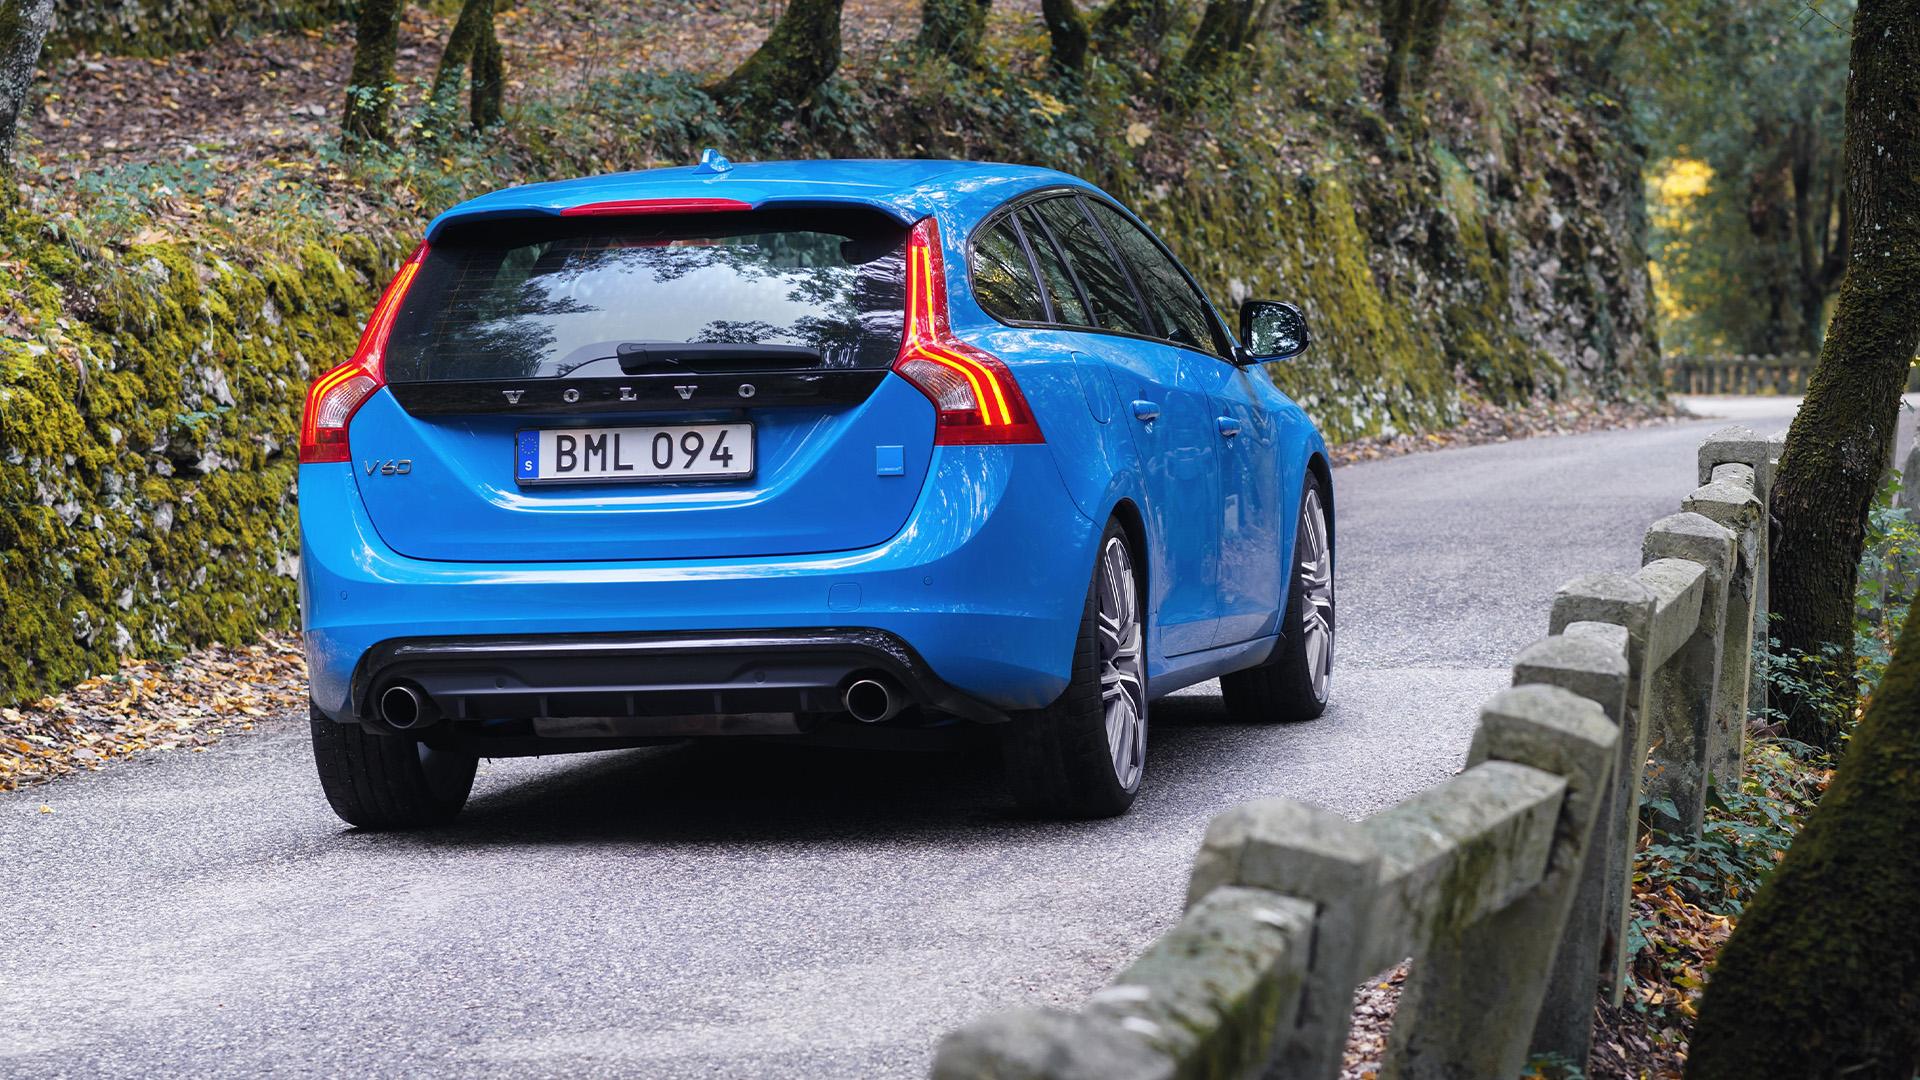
(335, 396)
(977, 399)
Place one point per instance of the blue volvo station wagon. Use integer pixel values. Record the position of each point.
(802, 448)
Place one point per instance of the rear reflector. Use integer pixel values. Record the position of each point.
(336, 395)
(975, 395)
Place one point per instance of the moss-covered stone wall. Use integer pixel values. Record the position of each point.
(148, 443)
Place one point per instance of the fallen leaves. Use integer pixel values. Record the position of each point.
(189, 703)
(1373, 1006)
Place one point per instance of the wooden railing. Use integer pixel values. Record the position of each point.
(1507, 885)
(1734, 374)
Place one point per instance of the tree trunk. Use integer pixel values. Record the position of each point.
(1067, 33)
(1842, 437)
(1132, 21)
(370, 86)
(461, 53)
(1411, 30)
(1225, 27)
(801, 53)
(23, 27)
(954, 29)
(1821, 978)
(489, 77)
(1431, 19)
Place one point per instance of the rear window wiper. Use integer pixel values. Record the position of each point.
(638, 357)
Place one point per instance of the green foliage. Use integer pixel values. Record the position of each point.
(1889, 574)
(1747, 830)
(1754, 90)
(1689, 892)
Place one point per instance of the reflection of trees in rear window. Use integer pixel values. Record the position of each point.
(548, 307)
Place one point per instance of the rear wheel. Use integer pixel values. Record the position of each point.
(383, 782)
(1083, 756)
(1294, 682)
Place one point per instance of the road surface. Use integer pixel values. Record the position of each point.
(739, 911)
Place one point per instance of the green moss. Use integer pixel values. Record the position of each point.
(149, 430)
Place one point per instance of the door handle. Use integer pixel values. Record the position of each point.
(1148, 411)
(1229, 426)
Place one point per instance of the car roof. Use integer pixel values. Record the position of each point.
(908, 190)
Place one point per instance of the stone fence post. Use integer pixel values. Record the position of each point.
(1624, 607)
(1590, 659)
(1470, 1001)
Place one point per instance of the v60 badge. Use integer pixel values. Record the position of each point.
(389, 467)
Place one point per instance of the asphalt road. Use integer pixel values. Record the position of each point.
(742, 911)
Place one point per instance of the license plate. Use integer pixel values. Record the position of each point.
(611, 454)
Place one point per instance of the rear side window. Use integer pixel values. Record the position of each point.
(1179, 310)
(551, 298)
(1002, 279)
(1053, 272)
(1105, 282)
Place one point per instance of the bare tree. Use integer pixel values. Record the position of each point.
(801, 53)
(1067, 35)
(23, 28)
(1411, 29)
(489, 80)
(472, 45)
(954, 29)
(1842, 437)
(1227, 28)
(370, 86)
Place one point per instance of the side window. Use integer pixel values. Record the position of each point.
(1106, 283)
(1002, 279)
(1177, 307)
(1054, 272)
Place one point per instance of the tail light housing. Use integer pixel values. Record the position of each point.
(975, 395)
(336, 395)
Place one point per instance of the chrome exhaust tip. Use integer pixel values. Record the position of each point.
(403, 708)
(871, 700)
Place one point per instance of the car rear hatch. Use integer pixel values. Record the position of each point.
(648, 386)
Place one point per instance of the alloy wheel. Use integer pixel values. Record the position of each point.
(1122, 664)
(1316, 581)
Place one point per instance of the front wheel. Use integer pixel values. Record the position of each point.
(1083, 756)
(379, 782)
(1294, 682)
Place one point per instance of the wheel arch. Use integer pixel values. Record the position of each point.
(1318, 467)
(1134, 525)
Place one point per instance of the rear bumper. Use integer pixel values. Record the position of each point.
(984, 584)
(651, 675)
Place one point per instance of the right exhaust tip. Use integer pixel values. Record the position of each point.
(872, 700)
(403, 707)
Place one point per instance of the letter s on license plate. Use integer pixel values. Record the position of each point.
(616, 454)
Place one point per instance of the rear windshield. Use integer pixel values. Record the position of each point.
(552, 298)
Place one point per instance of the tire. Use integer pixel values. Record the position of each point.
(1293, 683)
(382, 782)
(1084, 755)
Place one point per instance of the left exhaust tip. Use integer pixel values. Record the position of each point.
(872, 700)
(404, 708)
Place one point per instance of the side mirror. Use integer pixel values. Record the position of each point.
(1270, 330)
